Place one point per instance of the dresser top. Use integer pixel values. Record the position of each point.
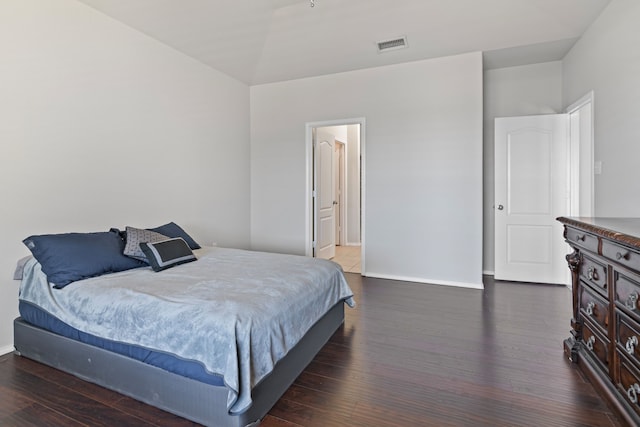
(624, 230)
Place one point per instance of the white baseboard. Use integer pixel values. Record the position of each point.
(426, 281)
(489, 273)
(6, 350)
(353, 244)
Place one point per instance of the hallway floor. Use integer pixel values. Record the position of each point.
(349, 258)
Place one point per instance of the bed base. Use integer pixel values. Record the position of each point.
(191, 399)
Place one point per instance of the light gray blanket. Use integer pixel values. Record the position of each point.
(237, 312)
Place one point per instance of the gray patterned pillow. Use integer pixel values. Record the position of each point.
(135, 236)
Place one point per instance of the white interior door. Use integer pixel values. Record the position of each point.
(531, 191)
(325, 218)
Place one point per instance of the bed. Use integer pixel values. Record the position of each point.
(216, 341)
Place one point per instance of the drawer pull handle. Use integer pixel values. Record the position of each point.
(592, 273)
(632, 393)
(632, 342)
(580, 237)
(590, 308)
(632, 301)
(620, 255)
(590, 342)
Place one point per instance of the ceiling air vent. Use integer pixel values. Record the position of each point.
(387, 45)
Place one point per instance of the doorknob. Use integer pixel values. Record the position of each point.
(500, 207)
(335, 203)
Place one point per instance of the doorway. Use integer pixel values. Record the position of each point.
(518, 254)
(581, 156)
(335, 196)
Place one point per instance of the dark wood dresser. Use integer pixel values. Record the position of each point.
(605, 334)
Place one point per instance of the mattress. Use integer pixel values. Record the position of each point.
(186, 368)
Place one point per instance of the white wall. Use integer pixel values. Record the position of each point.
(513, 91)
(606, 60)
(100, 126)
(423, 164)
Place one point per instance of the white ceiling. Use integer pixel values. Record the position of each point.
(262, 41)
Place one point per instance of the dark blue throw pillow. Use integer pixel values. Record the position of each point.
(167, 253)
(68, 257)
(173, 230)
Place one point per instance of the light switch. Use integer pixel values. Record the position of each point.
(597, 167)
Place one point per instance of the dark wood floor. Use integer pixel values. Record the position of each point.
(409, 355)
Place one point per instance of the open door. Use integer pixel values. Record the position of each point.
(324, 197)
(531, 191)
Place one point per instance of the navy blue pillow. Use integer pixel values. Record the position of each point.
(68, 257)
(167, 253)
(173, 230)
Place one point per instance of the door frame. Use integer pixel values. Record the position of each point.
(341, 176)
(576, 150)
(309, 225)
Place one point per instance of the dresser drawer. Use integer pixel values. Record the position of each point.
(580, 238)
(626, 293)
(597, 346)
(594, 272)
(629, 383)
(621, 254)
(594, 308)
(628, 337)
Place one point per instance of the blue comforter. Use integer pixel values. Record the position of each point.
(237, 312)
